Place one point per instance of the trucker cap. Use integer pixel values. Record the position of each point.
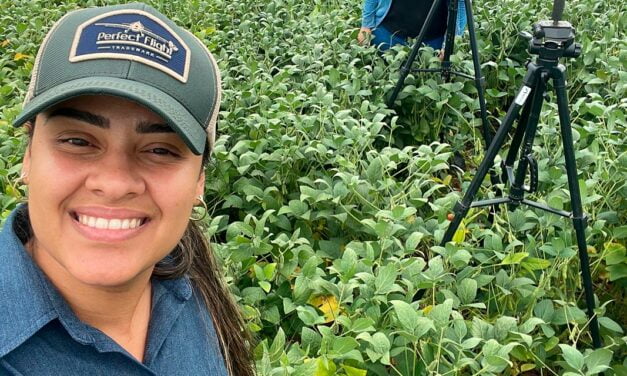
(130, 51)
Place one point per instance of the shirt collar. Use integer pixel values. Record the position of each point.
(30, 301)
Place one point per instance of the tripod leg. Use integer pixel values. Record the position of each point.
(449, 42)
(579, 219)
(461, 208)
(412, 55)
(517, 191)
(486, 130)
(479, 81)
(514, 147)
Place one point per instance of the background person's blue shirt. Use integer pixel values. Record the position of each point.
(40, 335)
(374, 11)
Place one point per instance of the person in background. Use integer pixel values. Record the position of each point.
(387, 23)
(104, 270)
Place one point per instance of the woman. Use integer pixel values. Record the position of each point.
(393, 22)
(103, 271)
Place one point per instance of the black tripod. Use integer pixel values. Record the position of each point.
(445, 68)
(551, 40)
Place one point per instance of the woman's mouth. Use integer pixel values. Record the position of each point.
(101, 223)
(109, 229)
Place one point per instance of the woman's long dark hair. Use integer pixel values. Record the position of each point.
(194, 258)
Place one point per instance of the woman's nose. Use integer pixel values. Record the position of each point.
(115, 176)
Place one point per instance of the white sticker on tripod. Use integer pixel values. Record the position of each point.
(521, 98)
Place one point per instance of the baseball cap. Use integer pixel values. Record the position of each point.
(130, 51)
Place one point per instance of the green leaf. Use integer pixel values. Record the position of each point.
(460, 235)
(568, 314)
(572, 356)
(380, 343)
(503, 326)
(551, 343)
(352, 371)
(363, 324)
(610, 324)
(614, 254)
(342, 345)
(309, 315)
(620, 232)
(441, 313)
(460, 258)
(423, 325)
(617, 271)
(297, 207)
(375, 170)
(268, 270)
(326, 367)
(265, 285)
(514, 258)
(271, 314)
(598, 361)
(533, 263)
(413, 240)
(309, 269)
(544, 310)
(529, 325)
(278, 344)
(467, 290)
(310, 337)
(288, 305)
(406, 314)
(386, 275)
(497, 362)
(471, 343)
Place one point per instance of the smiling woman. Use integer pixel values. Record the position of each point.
(105, 271)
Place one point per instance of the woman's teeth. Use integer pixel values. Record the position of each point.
(110, 224)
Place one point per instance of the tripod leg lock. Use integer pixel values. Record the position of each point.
(482, 82)
(507, 173)
(460, 208)
(533, 174)
(580, 223)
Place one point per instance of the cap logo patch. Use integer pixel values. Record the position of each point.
(132, 35)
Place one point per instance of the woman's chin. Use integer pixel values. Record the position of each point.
(103, 276)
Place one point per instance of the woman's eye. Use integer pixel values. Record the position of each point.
(75, 141)
(163, 152)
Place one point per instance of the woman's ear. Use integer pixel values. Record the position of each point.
(25, 167)
(26, 160)
(200, 185)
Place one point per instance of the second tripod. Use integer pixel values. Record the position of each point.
(446, 68)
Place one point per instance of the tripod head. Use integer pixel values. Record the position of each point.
(553, 39)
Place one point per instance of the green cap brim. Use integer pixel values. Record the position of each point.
(185, 125)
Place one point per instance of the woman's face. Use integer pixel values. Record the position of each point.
(111, 189)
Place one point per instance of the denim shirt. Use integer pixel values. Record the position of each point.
(374, 11)
(40, 335)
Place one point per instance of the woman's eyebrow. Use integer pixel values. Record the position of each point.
(148, 127)
(84, 116)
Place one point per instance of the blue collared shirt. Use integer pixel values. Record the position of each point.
(40, 335)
